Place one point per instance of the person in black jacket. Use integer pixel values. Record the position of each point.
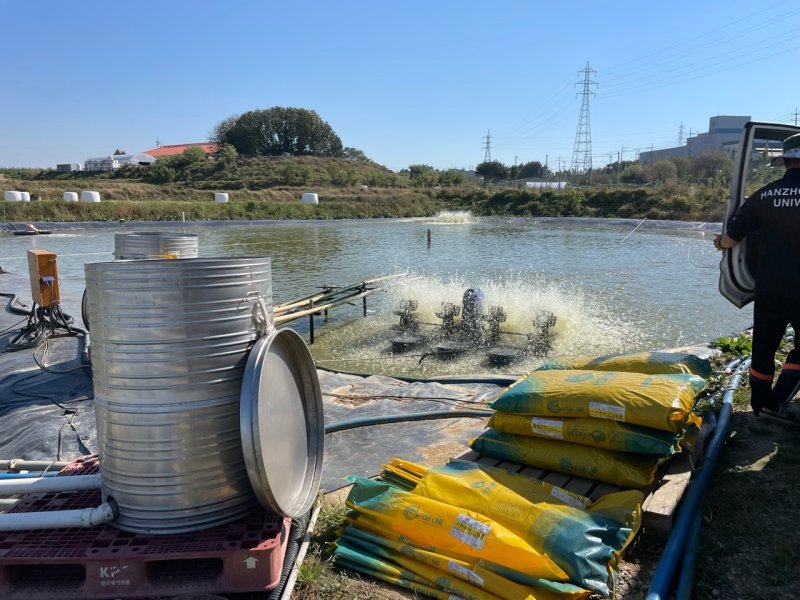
(773, 212)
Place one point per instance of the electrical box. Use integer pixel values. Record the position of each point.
(43, 271)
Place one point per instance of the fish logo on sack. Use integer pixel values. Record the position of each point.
(411, 512)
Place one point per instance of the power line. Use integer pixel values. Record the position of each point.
(582, 150)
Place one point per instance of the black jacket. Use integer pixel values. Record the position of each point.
(773, 212)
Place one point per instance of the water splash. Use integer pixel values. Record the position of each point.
(584, 326)
(454, 217)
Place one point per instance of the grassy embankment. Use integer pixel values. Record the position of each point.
(270, 188)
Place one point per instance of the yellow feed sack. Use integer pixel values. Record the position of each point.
(533, 490)
(620, 468)
(638, 362)
(658, 401)
(448, 528)
(587, 431)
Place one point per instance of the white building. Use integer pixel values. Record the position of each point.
(111, 163)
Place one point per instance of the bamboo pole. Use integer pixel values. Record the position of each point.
(280, 319)
(329, 295)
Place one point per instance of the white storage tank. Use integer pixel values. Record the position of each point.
(12, 196)
(220, 197)
(89, 196)
(70, 196)
(309, 198)
(26, 197)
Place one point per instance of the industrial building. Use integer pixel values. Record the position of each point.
(723, 134)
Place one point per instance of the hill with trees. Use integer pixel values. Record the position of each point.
(268, 158)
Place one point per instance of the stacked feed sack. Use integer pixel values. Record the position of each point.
(475, 531)
(611, 426)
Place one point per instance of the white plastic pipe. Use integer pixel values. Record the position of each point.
(56, 519)
(72, 483)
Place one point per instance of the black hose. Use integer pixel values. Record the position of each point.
(13, 299)
(501, 380)
(405, 417)
(292, 549)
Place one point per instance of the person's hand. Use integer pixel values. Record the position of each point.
(718, 242)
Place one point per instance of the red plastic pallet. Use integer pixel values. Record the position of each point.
(103, 562)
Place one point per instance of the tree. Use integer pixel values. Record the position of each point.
(119, 152)
(492, 170)
(532, 169)
(713, 167)
(192, 154)
(633, 173)
(355, 154)
(663, 171)
(452, 177)
(424, 175)
(228, 155)
(278, 130)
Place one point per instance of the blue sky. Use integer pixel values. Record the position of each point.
(406, 82)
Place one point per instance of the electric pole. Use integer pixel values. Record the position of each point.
(487, 146)
(795, 114)
(680, 135)
(582, 150)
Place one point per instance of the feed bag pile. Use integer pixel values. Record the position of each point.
(470, 531)
(612, 426)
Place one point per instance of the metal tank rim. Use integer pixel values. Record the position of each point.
(269, 481)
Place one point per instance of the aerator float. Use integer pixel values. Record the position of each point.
(477, 330)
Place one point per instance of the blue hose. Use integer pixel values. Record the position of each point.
(28, 475)
(693, 502)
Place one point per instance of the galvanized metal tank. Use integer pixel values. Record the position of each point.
(155, 244)
(170, 340)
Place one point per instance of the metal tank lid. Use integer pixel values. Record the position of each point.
(282, 423)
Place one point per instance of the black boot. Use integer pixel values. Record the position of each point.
(759, 394)
(785, 388)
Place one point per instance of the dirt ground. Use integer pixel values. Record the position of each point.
(748, 545)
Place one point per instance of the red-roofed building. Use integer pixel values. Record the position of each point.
(173, 149)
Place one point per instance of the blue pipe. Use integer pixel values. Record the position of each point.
(693, 502)
(28, 475)
(405, 417)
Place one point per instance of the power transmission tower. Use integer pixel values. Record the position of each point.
(680, 135)
(795, 114)
(582, 150)
(487, 146)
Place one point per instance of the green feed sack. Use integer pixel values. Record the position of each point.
(638, 362)
(587, 431)
(439, 579)
(619, 468)
(418, 588)
(657, 401)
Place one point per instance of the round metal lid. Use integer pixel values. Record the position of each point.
(282, 423)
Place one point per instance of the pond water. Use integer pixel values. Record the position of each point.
(613, 286)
